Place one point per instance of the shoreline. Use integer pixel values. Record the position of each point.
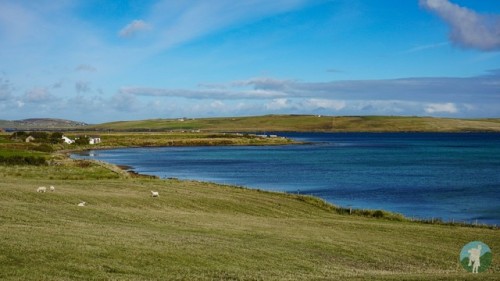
(374, 213)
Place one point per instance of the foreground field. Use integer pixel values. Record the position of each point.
(200, 231)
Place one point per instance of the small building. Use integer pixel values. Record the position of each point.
(67, 140)
(94, 140)
(30, 139)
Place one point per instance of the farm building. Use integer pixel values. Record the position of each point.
(67, 140)
(94, 140)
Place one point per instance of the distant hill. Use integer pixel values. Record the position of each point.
(41, 124)
(309, 123)
(272, 123)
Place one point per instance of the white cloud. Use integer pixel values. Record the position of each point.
(133, 28)
(467, 28)
(441, 108)
(278, 104)
(315, 104)
(289, 94)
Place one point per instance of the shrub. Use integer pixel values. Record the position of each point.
(44, 148)
(378, 214)
(22, 160)
(40, 136)
(19, 136)
(56, 137)
(82, 140)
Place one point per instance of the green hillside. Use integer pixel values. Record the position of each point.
(309, 123)
(202, 231)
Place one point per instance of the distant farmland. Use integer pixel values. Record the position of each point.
(308, 123)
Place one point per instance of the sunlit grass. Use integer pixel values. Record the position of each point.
(204, 231)
(197, 230)
(310, 123)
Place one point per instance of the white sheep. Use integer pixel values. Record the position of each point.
(52, 188)
(155, 194)
(41, 189)
(82, 204)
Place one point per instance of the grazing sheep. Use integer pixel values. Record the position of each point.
(41, 189)
(82, 204)
(155, 194)
(52, 188)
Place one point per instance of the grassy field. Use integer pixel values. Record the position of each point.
(200, 231)
(204, 231)
(116, 139)
(310, 123)
(136, 139)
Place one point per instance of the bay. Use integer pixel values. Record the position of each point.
(421, 175)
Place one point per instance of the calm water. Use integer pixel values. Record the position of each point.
(448, 176)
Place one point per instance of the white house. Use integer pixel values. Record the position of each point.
(67, 140)
(94, 140)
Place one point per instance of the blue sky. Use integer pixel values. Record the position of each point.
(98, 61)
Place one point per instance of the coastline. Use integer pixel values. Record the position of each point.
(128, 171)
(198, 230)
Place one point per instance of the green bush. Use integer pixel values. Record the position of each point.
(56, 137)
(378, 214)
(44, 148)
(19, 136)
(22, 160)
(82, 140)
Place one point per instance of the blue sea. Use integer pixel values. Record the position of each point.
(420, 175)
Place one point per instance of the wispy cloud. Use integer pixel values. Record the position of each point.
(133, 28)
(467, 28)
(189, 20)
(484, 87)
(202, 94)
(425, 47)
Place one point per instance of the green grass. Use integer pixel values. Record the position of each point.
(310, 123)
(202, 231)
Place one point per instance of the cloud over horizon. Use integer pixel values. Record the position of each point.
(434, 89)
